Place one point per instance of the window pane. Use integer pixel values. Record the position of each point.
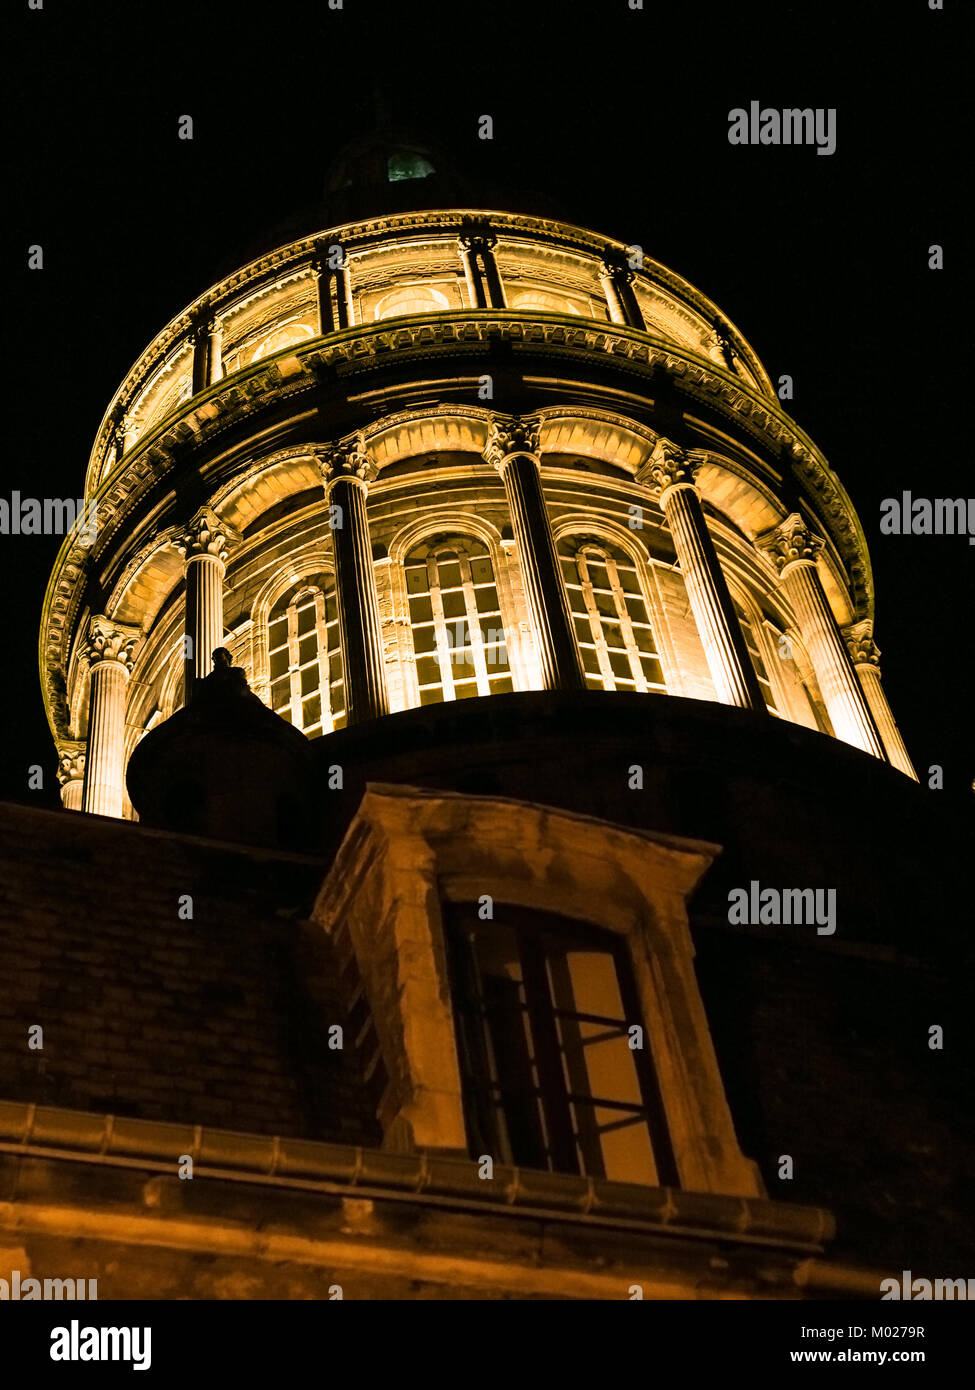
(421, 609)
(486, 600)
(279, 663)
(454, 605)
(448, 572)
(424, 638)
(416, 579)
(652, 670)
(428, 670)
(548, 1076)
(482, 571)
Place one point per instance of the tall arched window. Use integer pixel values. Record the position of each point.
(757, 659)
(613, 629)
(307, 680)
(455, 616)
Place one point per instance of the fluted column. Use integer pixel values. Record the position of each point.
(512, 448)
(670, 471)
(71, 772)
(347, 471)
(110, 651)
(204, 545)
(793, 549)
(865, 655)
(477, 245)
(617, 282)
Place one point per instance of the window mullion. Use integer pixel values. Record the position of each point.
(293, 665)
(595, 623)
(548, 1055)
(474, 625)
(626, 627)
(324, 688)
(440, 628)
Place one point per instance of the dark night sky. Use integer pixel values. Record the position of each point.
(621, 118)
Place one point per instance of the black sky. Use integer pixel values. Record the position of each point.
(621, 118)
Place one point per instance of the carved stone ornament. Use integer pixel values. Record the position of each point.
(206, 535)
(71, 761)
(346, 461)
(110, 641)
(790, 543)
(860, 644)
(512, 434)
(668, 466)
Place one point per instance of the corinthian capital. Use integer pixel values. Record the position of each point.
(611, 267)
(206, 535)
(110, 641)
(476, 235)
(71, 760)
(668, 466)
(791, 543)
(512, 434)
(346, 461)
(860, 644)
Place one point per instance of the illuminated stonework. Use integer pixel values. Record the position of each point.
(453, 454)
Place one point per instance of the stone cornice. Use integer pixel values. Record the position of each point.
(304, 252)
(293, 376)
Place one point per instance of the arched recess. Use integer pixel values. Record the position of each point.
(586, 525)
(784, 674)
(448, 521)
(303, 565)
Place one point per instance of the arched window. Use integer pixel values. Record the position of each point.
(616, 641)
(283, 337)
(544, 300)
(411, 299)
(307, 680)
(757, 659)
(455, 615)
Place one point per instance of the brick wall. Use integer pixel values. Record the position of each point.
(220, 1021)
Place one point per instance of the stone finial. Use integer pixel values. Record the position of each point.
(792, 542)
(512, 434)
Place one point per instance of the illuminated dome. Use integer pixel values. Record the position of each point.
(453, 454)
